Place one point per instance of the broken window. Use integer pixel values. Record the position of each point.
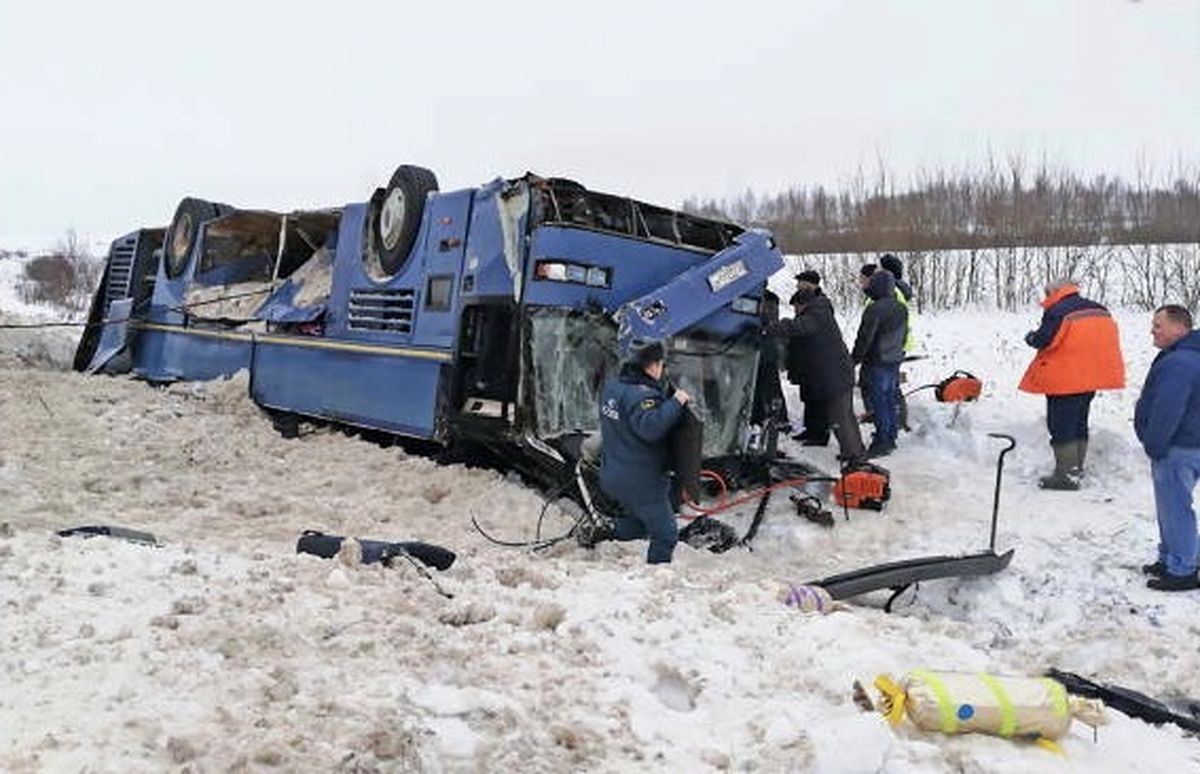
(720, 378)
(243, 259)
(573, 354)
(567, 202)
(239, 248)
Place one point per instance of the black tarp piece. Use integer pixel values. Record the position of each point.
(327, 547)
(1128, 701)
(92, 530)
(686, 445)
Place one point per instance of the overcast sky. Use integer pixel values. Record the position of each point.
(111, 111)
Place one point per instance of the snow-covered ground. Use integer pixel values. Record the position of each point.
(223, 649)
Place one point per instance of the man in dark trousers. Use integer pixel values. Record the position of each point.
(879, 347)
(636, 414)
(1167, 422)
(801, 371)
(1078, 352)
(864, 277)
(819, 364)
(904, 294)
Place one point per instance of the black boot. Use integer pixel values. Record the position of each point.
(1169, 582)
(589, 532)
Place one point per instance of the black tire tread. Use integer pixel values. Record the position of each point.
(416, 183)
(201, 211)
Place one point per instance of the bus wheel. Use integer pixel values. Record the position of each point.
(398, 217)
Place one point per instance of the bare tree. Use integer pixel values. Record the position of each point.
(65, 276)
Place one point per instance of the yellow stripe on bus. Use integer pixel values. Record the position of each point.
(299, 341)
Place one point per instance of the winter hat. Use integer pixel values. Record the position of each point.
(892, 264)
(646, 352)
(809, 276)
(881, 285)
(867, 269)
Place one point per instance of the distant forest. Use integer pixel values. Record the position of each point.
(1001, 205)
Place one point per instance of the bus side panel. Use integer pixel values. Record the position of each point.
(189, 354)
(390, 392)
(440, 287)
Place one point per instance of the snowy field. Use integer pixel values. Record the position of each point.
(223, 650)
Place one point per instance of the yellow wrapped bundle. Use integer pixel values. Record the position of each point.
(1034, 709)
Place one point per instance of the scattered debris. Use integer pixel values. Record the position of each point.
(810, 599)
(370, 551)
(132, 535)
(1129, 702)
(1033, 709)
(809, 507)
(708, 533)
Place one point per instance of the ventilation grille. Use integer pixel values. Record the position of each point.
(381, 310)
(120, 270)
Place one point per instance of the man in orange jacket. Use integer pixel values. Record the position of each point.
(1078, 352)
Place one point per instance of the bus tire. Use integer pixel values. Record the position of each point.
(398, 217)
(181, 235)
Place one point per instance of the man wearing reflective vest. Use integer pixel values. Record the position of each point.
(1078, 352)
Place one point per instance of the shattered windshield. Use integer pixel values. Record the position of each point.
(720, 378)
(573, 353)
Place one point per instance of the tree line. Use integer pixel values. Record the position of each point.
(1001, 205)
(1140, 276)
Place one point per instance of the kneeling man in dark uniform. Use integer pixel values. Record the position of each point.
(636, 414)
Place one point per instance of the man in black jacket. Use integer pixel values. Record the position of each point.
(879, 347)
(819, 363)
(801, 370)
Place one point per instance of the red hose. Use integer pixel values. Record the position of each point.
(724, 504)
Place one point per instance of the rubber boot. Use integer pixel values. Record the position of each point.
(1077, 473)
(1066, 460)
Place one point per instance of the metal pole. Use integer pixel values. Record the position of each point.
(1012, 444)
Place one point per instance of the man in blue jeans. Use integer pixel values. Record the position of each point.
(1167, 422)
(879, 347)
(636, 414)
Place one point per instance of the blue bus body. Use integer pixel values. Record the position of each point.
(498, 326)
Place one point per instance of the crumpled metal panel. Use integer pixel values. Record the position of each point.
(114, 336)
(696, 293)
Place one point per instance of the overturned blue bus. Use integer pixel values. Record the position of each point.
(488, 316)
